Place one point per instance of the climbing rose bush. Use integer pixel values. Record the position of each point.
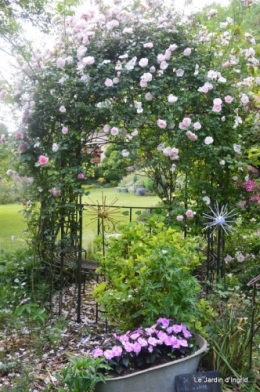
(173, 94)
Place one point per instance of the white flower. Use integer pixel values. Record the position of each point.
(206, 199)
(125, 153)
(180, 72)
(55, 147)
(172, 98)
(131, 64)
(62, 109)
(228, 258)
(88, 60)
(208, 140)
(143, 62)
(237, 148)
(222, 162)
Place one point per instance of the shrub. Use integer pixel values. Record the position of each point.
(147, 273)
(140, 192)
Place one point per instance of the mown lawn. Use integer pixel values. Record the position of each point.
(12, 222)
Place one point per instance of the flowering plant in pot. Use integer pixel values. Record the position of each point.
(143, 347)
(147, 359)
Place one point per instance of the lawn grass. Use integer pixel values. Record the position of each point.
(12, 222)
(117, 217)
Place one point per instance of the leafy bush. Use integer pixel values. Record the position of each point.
(20, 280)
(147, 273)
(82, 374)
(140, 192)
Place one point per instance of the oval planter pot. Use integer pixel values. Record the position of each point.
(157, 379)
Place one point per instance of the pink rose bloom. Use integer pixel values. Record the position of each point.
(187, 52)
(180, 218)
(186, 121)
(62, 109)
(143, 83)
(81, 176)
(244, 99)
(228, 99)
(134, 133)
(240, 258)
(60, 63)
(189, 214)
(108, 82)
(217, 108)
(223, 118)
(64, 130)
(203, 89)
(217, 101)
(143, 62)
(160, 58)
(43, 160)
(148, 45)
(147, 77)
(161, 123)
(191, 136)
(164, 65)
(18, 135)
(22, 147)
(168, 54)
(197, 126)
(182, 126)
(88, 60)
(167, 152)
(152, 69)
(55, 192)
(114, 131)
(148, 96)
(208, 140)
(106, 128)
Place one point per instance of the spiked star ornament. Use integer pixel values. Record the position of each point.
(220, 218)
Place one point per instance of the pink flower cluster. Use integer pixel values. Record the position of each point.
(171, 152)
(55, 192)
(131, 346)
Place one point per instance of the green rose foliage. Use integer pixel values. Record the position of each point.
(147, 273)
(142, 78)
